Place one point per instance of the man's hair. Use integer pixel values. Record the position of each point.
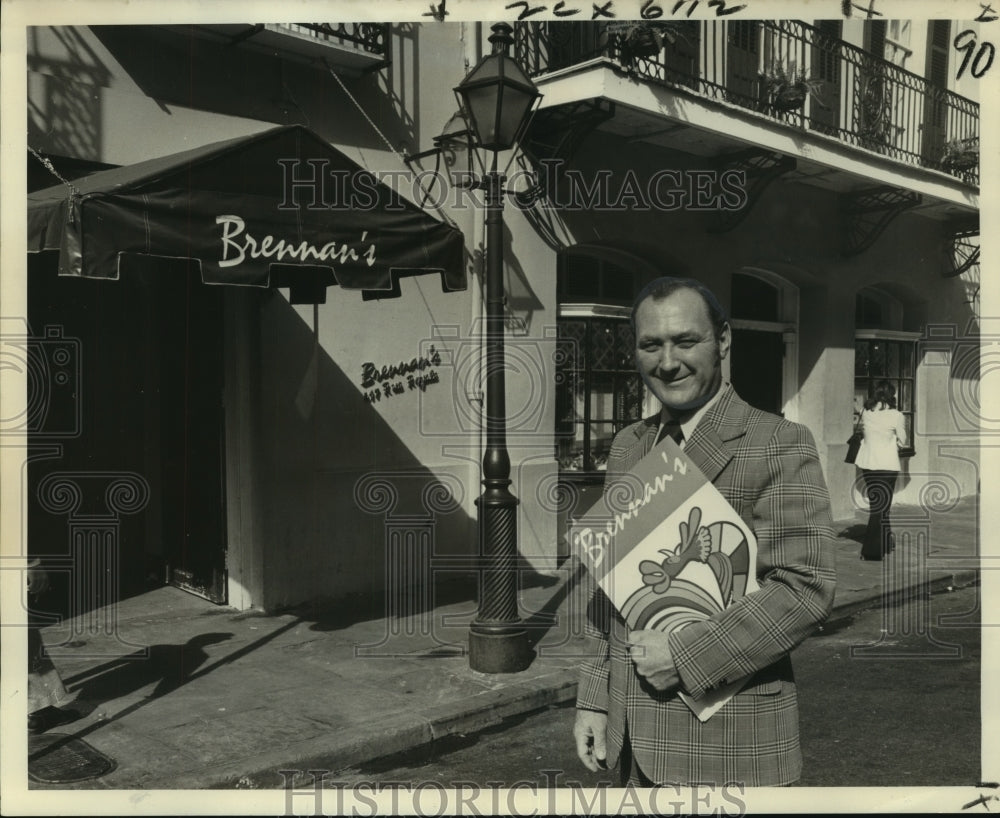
(660, 288)
(885, 393)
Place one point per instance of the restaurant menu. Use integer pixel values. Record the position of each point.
(668, 550)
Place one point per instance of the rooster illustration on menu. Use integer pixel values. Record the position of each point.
(695, 546)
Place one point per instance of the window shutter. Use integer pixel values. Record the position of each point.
(826, 62)
(876, 38)
(937, 52)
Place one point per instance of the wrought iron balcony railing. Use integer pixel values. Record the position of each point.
(371, 37)
(853, 95)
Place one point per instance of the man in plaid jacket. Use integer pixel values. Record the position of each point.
(767, 468)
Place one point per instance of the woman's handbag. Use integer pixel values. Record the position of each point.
(854, 444)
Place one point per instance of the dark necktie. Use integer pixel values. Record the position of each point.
(673, 429)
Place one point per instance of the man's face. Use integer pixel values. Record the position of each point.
(677, 352)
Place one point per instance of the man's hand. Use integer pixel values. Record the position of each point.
(650, 653)
(590, 730)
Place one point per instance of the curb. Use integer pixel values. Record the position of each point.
(387, 737)
(959, 579)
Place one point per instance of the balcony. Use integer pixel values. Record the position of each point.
(861, 100)
(354, 48)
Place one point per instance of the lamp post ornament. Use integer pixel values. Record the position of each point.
(497, 96)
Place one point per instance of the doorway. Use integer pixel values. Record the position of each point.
(148, 403)
(189, 328)
(763, 363)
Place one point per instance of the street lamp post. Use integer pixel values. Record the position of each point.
(497, 96)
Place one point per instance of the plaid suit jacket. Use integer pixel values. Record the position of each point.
(768, 470)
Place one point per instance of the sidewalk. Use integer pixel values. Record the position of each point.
(192, 695)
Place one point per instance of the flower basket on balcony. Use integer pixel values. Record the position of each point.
(643, 38)
(644, 42)
(789, 98)
(789, 86)
(961, 154)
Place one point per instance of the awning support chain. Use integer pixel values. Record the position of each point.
(371, 122)
(74, 190)
(357, 105)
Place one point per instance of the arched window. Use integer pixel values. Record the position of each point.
(876, 309)
(754, 299)
(867, 311)
(598, 391)
(764, 359)
(582, 277)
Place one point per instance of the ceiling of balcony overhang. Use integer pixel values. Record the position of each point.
(282, 39)
(637, 126)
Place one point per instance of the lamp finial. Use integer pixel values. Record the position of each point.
(501, 37)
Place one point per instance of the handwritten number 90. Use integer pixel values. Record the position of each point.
(986, 52)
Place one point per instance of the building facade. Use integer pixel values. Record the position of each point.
(298, 451)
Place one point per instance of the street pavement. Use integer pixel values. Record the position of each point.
(859, 688)
(184, 694)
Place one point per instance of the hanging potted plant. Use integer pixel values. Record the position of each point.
(643, 38)
(961, 154)
(788, 86)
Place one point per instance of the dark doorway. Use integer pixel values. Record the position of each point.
(757, 368)
(146, 401)
(189, 330)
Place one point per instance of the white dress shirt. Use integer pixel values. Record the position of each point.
(690, 422)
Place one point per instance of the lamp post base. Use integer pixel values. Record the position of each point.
(495, 650)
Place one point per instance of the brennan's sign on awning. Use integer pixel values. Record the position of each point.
(248, 211)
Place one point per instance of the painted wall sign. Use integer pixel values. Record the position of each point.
(399, 378)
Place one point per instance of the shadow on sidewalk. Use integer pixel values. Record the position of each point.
(543, 620)
(169, 666)
(447, 588)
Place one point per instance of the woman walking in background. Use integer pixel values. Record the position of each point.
(878, 459)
